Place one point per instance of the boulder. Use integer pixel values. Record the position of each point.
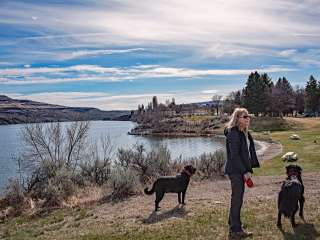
(295, 137)
(290, 157)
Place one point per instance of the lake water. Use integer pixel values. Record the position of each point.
(11, 144)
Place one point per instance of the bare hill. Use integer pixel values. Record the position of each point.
(13, 111)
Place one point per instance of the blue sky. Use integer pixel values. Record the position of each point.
(118, 54)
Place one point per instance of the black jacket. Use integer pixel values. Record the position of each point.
(238, 160)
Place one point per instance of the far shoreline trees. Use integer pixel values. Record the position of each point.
(262, 97)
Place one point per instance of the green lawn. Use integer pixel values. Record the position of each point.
(308, 148)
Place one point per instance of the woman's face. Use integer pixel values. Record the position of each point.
(244, 120)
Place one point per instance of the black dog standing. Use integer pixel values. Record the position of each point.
(291, 195)
(172, 184)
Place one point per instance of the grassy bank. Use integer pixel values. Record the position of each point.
(308, 148)
(208, 223)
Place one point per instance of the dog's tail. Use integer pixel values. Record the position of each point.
(146, 191)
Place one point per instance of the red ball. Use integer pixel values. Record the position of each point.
(249, 183)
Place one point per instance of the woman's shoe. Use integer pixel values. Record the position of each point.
(240, 234)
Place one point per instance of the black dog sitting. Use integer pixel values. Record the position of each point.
(172, 184)
(291, 194)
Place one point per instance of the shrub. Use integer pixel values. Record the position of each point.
(96, 167)
(124, 158)
(58, 188)
(52, 184)
(52, 157)
(160, 161)
(145, 164)
(97, 172)
(15, 197)
(210, 165)
(123, 183)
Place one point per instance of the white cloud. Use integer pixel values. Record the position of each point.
(105, 101)
(307, 58)
(223, 28)
(211, 91)
(51, 75)
(86, 53)
(288, 52)
(6, 64)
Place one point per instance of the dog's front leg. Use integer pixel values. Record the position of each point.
(159, 196)
(293, 222)
(279, 220)
(183, 197)
(179, 197)
(301, 203)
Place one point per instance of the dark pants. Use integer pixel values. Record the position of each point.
(237, 188)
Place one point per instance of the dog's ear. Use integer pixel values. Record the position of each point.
(299, 169)
(189, 168)
(288, 168)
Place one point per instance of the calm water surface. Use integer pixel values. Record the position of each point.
(11, 144)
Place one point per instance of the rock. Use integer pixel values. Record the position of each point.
(295, 137)
(290, 157)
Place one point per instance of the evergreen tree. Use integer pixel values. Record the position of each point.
(282, 97)
(154, 102)
(232, 101)
(257, 93)
(312, 95)
(237, 98)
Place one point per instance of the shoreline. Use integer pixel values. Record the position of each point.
(173, 134)
(267, 150)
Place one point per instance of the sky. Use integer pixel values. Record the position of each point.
(118, 54)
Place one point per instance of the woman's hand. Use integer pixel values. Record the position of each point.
(247, 176)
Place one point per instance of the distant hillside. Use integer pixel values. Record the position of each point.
(13, 111)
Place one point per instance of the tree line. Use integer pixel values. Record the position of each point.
(262, 97)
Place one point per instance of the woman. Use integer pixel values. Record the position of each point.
(241, 158)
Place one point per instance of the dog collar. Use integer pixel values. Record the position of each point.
(186, 172)
(293, 174)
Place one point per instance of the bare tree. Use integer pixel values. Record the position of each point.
(216, 99)
(50, 148)
(49, 142)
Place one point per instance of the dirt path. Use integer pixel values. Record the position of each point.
(267, 150)
(200, 195)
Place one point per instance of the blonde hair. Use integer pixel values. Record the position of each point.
(233, 122)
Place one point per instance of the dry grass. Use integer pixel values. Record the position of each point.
(204, 216)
